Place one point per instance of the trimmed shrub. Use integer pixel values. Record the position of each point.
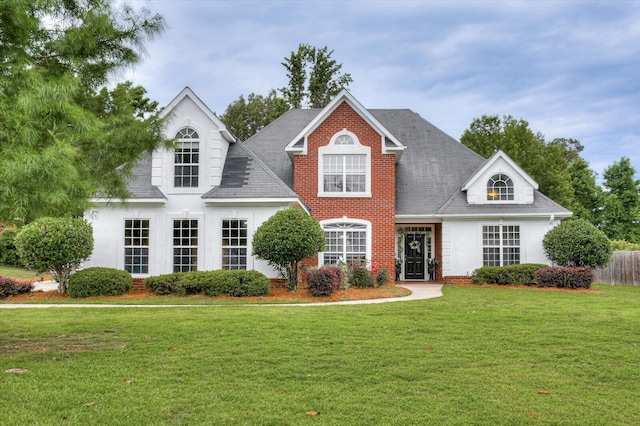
(98, 281)
(576, 242)
(243, 283)
(562, 277)
(10, 287)
(163, 284)
(324, 281)
(8, 252)
(239, 283)
(361, 277)
(520, 274)
(287, 238)
(55, 244)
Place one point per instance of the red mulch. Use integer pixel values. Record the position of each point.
(275, 295)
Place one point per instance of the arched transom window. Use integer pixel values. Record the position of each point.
(499, 188)
(187, 158)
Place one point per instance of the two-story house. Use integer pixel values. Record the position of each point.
(388, 188)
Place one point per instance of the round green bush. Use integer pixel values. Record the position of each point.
(99, 282)
(576, 242)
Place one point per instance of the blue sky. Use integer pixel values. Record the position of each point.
(570, 68)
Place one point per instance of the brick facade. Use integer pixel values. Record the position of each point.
(379, 209)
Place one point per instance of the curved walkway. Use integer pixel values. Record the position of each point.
(418, 292)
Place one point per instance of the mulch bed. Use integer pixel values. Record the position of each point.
(523, 287)
(275, 295)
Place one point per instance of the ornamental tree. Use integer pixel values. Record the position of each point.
(64, 137)
(576, 242)
(287, 238)
(55, 245)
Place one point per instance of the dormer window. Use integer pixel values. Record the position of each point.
(187, 158)
(344, 167)
(500, 188)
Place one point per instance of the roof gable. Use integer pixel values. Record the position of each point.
(491, 163)
(389, 143)
(188, 93)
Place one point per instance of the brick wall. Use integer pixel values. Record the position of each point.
(379, 209)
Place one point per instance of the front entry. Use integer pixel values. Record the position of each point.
(414, 249)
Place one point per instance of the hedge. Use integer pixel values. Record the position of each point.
(99, 281)
(239, 283)
(562, 277)
(520, 274)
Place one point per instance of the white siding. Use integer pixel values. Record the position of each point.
(462, 242)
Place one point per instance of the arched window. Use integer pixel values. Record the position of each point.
(186, 158)
(347, 242)
(500, 188)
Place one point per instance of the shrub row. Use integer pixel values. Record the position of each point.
(560, 277)
(98, 281)
(327, 279)
(238, 283)
(521, 274)
(10, 287)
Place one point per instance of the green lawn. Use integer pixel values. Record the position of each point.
(475, 356)
(20, 273)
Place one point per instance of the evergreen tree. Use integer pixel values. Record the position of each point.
(63, 138)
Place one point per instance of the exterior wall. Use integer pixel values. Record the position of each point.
(108, 230)
(379, 209)
(462, 242)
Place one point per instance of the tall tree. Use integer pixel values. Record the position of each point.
(621, 212)
(245, 117)
(546, 162)
(62, 137)
(314, 77)
(588, 195)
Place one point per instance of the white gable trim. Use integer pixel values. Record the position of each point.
(188, 93)
(294, 147)
(491, 161)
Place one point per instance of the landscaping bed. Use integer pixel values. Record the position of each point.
(275, 295)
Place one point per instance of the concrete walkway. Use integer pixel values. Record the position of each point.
(418, 292)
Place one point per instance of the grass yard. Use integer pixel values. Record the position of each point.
(21, 273)
(477, 356)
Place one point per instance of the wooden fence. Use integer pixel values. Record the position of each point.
(624, 269)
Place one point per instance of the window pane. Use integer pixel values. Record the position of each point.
(185, 245)
(234, 242)
(186, 159)
(136, 246)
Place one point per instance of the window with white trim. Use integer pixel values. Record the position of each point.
(136, 246)
(345, 173)
(345, 242)
(234, 244)
(185, 245)
(344, 167)
(187, 158)
(500, 188)
(500, 245)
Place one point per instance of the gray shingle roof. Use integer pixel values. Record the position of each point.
(246, 176)
(429, 175)
(140, 184)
